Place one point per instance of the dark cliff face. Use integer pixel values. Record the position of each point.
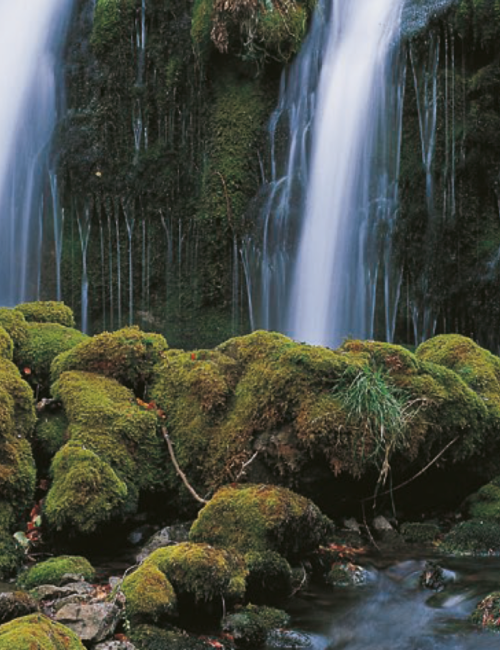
(159, 158)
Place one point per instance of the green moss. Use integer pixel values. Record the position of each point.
(419, 533)
(127, 355)
(11, 555)
(474, 537)
(51, 571)
(250, 626)
(51, 432)
(201, 572)
(261, 518)
(49, 311)
(149, 637)
(6, 345)
(485, 503)
(150, 596)
(85, 491)
(15, 325)
(112, 19)
(37, 632)
(269, 577)
(45, 341)
(487, 612)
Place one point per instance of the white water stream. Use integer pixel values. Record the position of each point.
(31, 36)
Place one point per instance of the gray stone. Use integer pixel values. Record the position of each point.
(51, 592)
(380, 523)
(92, 622)
(165, 537)
(115, 645)
(352, 525)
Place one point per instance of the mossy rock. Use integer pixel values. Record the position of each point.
(419, 533)
(11, 554)
(270, 577)
(49, 311)
(52, 571)
(251, 625)
(150, 595)
(127, 355)
(487, 612)
(485, 503)
(113, 453)
(51, 433)
(201, 572)
(474, 537)
(17, 420)
(6, 345)
(44, 343)
(150, 637)
(262, 518)
(16, 604)
(85, 492)
(15, 325)
(37, 632)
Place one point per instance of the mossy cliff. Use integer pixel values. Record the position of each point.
(159, 157)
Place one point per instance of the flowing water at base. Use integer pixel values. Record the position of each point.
(395, 613)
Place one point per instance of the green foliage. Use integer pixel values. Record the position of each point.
(37, 632)
(479, 22)
(149, 637)
(45, 341)
(112, 19)
(150, 595)
(127, 355)
(49, 311)
(250, 625)
(485, 503)
(474, 537)
(52, 571)
(6, 345)
(201, 572)
(261, 518)
(419, 533)
(15, 325)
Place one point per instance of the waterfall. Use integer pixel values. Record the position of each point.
(31, 36)
(329, 212)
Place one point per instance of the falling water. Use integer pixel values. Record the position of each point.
(31, 35)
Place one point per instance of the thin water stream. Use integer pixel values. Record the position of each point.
(393, 612)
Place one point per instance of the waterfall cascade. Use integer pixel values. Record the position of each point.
(29, 85)
(323, 268)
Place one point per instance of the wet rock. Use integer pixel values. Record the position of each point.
(115, 645)
(51, 592)
(164, 537)
(16, 604)
(92, 622)
(435, 577)
(352, 525)
(346, 574)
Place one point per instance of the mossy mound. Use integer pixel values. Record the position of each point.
(270, 577)
(262, 518)
(485, 503)
(52, 571)
(474, 537)
(49, 311)
(299, 406)
(16, 604)
(11, 554)
(150, 595)
(6, 345)
(419, 533)
(37, 632)
(113, 453)
(45, 341)
(51, 432)
(487, 612)
(251, 625)
(15, 325)
(127, 355)
(200, 572)
(149, 637)
(479, 368)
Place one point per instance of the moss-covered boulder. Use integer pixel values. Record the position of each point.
(200, 575)
(150, 637)
(37, 632)
(416, 532)
(270, 577)
(51, 433)
(262, 518)
(15, 325)
(48, 311)
(251, 625)
(474, 537)
(51, 571)
(127, 355)
(6, 345)
(113, 453)
(15, 604)
(44, 342)
(485, 503)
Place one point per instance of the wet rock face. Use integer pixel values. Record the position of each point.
(92, 622)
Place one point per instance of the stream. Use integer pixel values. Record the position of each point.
(394, 612)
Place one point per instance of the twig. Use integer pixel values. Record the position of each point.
(245, 465)
(401, 485)
(302, 583)
(228, 202)
(178, 469)
(368, 527)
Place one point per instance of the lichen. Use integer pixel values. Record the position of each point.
(48, 311)
(51, 572)
(37, 632)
